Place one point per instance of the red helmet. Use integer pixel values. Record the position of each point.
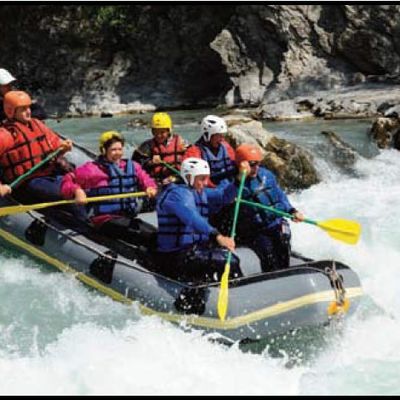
(248, 152)
(14, 99)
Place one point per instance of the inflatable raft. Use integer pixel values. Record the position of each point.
(260, 303)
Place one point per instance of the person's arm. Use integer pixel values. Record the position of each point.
(143, 155)
(86, 176)
(145, 180)
(220, 196)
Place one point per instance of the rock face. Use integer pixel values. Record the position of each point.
(89, 59)
(292, 165)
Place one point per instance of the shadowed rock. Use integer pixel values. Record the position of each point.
(341, 152)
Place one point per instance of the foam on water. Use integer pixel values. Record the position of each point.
(56, 336)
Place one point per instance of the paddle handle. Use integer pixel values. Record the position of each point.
(276, 211)
(34, 168)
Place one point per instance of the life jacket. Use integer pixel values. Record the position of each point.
(31, 146)
(119, 182)
(171, 153)
(173, 235)
(221, 165)
(264, 190)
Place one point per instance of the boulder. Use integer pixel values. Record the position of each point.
(385, 132)
(292, 165)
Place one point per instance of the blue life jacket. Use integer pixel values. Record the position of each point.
(221, 165)
(264, 189)
(173, 234)
(119, 182)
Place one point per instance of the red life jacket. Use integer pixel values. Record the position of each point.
(31, 145)
(171, 154)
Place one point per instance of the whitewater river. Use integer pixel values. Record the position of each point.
(57, 336)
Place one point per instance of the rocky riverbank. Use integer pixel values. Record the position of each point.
(284, 61)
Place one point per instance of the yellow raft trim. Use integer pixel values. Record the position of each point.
(206, 322)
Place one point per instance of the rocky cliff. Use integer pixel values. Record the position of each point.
(87, 59)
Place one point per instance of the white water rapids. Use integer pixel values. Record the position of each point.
(59, 337)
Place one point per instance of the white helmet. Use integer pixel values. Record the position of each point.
(193, 167)
(211, 124)
(5, 77)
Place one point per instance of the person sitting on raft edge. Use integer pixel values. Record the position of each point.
(165, 147)
(213, 148)
(188, 247)
(111, 174)
(24, 143)
(265, 232)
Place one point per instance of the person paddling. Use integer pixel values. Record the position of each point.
(266, 233)
(189, 248)
(111, 174)
(164, 148)
(25, 142)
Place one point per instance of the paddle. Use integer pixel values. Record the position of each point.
(31, 207)
(222, 306)
(33, 169)
(341, 229)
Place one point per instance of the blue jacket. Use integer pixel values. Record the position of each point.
(264, 189)
(183, 214)
(221, 165)
(120, 182)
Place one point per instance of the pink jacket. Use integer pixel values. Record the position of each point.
(92, 175)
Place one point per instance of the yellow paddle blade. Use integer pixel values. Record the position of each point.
(342, 229)
(335, 308)
(223, 293)
(31, 207)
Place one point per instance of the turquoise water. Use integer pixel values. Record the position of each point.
(59, 337)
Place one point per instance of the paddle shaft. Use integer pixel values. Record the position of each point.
(223, 297)
(34, 168)
(31, 207)
(236, 211)
(276, 211)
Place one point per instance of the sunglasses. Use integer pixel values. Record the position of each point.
(254, 163)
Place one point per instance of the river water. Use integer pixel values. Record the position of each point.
(59, 337)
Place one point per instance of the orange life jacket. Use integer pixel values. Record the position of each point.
(31, 145)
(171, 153)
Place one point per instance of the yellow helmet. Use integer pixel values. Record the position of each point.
(161, 120)
(106, 136)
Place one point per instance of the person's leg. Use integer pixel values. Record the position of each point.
(273, 247)
(45, 188)
(207, 263)
(283, 246)
(263, 246)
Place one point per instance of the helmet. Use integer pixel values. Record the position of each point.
(193, 167)
(211, 124)
(161, 120)
(248, 152)
(14, 99)
(108, 135)
(5, 77)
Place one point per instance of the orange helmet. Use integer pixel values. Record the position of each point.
(14, 99)
(248, 152)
